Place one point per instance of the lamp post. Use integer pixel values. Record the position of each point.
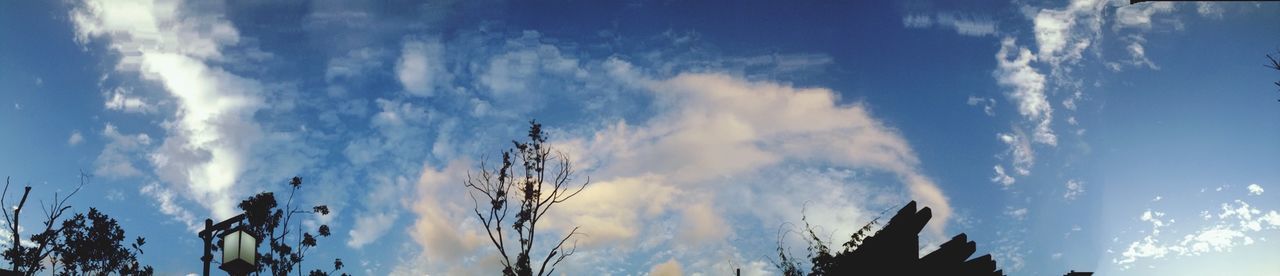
(239, 248)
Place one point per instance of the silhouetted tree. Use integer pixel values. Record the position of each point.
(92, 245)
(891, 250)
(28, 259)
(272, 226)
(81, 245)
(337, 266)
(1275, 64)
(533, 178)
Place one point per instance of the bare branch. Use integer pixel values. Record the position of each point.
(556, 249)
(521, 186)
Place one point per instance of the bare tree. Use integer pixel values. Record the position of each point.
(1275, 64)
(523, 180)
(27, 259)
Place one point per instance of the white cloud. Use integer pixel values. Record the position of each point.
(119, 100)
(1139, 16)
(6, 237)
(1209, 9)
(1137, 55)
(988, 104)
(181, 46)
(519, 77)
(76, 138)
(114, 195)
(967, 25)
(1027, 89)
(645, 198)
(444, 226)
(780, 63)
(963, 24)
(1002, 178)
(917, 21)
(669, 268)
(138, 27)
(358, 62)
(169, 206)
(1074, 189)
(717, 143)
(382, 202)
(207, 149)
(1020, 149)
(369, 227)
(1009, 249)
(118, 155)
(421, 69)
(1064, 34)
(757, 124)
(1254, 189)
(1070, 102)
(1232, 228)
(1018, 214)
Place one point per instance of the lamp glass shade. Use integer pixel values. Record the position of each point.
(238, 246)
(247, 249)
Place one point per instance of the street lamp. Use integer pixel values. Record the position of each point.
(238, 247)
(238, 251)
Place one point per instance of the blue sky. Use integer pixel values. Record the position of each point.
(1085, 135)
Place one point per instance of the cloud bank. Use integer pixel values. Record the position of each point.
(723, 148)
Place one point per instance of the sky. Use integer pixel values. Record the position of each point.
(1081, 135)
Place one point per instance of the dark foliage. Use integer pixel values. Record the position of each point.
(533, 178)
(93, 245)
(286, 241)
(337, 265)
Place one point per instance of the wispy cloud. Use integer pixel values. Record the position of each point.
(1027, 89)
(1002, 177)
(1074, 189)
(118, 156)
(1210, 9)
(963, 24)
(119, 99)
(1018, 214)
(168, 204)
(988, 104)
(356, 63)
